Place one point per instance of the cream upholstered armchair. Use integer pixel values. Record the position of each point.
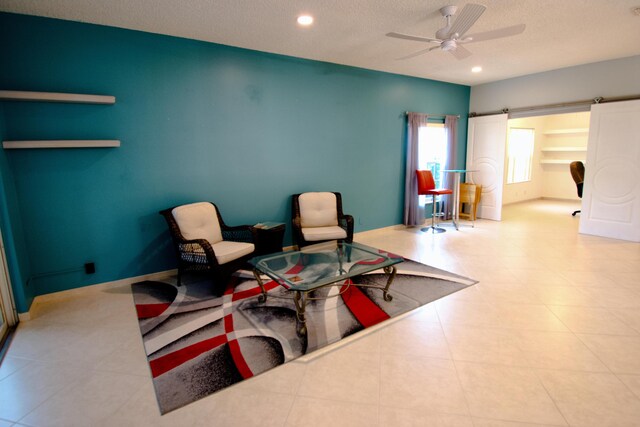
(203, 242)
(318, 217)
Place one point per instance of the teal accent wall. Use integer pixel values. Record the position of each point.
(12, 235)
(198, 121)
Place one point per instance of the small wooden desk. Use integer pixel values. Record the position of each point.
(456, 192)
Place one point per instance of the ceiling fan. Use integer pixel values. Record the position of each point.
(453, 35)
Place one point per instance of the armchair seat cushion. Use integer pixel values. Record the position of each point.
(314, 234)
(228, 251)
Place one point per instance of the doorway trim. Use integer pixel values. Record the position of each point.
(7, 304)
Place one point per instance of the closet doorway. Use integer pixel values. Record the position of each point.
(525, 158)
(539, 169)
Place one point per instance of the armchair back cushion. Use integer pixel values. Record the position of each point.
(318, 209)
(198, 221)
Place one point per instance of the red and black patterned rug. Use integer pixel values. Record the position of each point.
(199, 342)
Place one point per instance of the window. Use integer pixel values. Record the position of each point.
(519, 155)
(432, 153)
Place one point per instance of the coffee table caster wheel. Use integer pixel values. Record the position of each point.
(388, 297)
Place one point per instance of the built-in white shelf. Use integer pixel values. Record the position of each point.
(16, 95)
(557, 161)
(564, 149)
(566, 131)
(71, 143)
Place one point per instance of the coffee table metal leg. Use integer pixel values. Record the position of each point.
(391, 271)
(263, 297)
(300, 299)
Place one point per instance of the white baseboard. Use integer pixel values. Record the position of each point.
(26, 316)
(558, 199)
(86, 290)
(379, 230)
(551, 199)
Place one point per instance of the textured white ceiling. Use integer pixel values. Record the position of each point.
(559, 33)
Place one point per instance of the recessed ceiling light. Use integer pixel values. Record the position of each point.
(476, 69)
(305, 20)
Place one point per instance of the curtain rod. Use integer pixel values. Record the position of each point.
(596, 100)
(434, 115)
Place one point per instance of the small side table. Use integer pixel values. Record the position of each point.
(269, 237)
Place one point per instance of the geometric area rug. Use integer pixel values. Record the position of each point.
(199, 340)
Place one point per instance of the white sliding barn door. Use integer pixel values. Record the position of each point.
(487, 137)
(611, 194)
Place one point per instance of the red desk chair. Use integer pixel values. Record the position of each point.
(427, 186)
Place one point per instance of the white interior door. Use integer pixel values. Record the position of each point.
(611, 193)
(486, 141)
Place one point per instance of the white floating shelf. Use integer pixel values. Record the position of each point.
(565, 149)
(15, 95)
(566, 131)
(71, 143)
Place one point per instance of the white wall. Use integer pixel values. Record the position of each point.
(619, 77)
(557, 182)
(550, 180)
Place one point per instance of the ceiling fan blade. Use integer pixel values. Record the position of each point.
(415, 38)
(460, 52)
(469, 15)
(496, 34)
(418, 53)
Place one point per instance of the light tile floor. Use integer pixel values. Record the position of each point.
(550, 336)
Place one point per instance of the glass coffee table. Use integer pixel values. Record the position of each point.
(324, 264)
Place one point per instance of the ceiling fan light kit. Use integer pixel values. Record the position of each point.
(448, 45)
(451, 37)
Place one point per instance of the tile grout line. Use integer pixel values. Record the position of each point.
(455, 366)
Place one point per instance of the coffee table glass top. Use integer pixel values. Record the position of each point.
(322, 264)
